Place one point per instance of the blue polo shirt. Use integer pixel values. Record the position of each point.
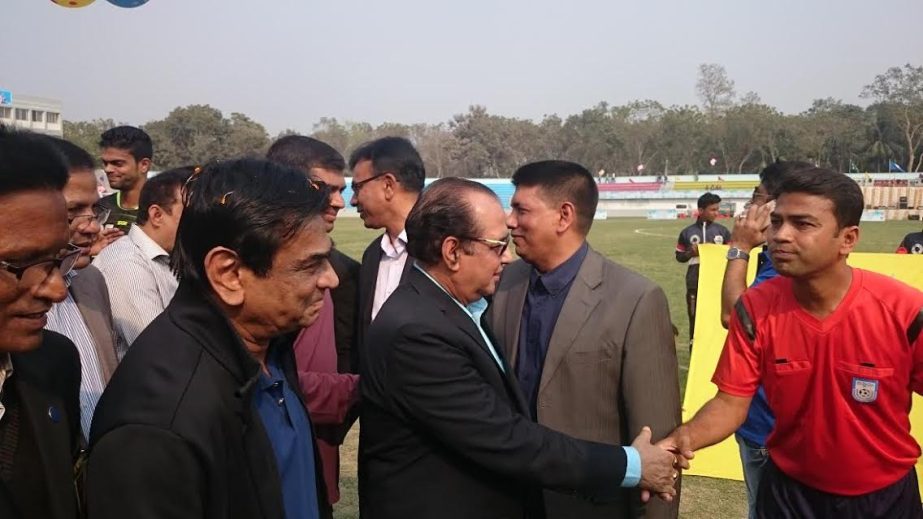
(289, 430)
(760, 420)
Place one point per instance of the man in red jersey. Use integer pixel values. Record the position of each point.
(838, 350)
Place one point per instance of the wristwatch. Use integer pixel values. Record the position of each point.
(735, 253)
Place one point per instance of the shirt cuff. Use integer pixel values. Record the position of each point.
(632, 468)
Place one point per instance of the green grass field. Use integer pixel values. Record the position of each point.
(647, 247)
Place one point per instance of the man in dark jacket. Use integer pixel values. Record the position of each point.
(203, 418)
(39, 371)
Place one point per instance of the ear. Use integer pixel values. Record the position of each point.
(223, 270)
(567, 217)
(144, 165)
(390, 185)
(451, 250)
(155, 215)
(850, 239)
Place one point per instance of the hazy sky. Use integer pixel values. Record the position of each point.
(287, 63)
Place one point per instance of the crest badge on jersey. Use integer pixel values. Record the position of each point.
(864, 390)
(719, 239)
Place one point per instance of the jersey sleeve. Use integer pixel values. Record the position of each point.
(739, 372)
(683, 247)
(915, 334)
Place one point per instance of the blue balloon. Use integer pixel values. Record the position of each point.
(127, 3)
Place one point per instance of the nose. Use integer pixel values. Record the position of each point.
(353, 200)
(336, 200)
(328, 279)
(506, 257)
(52, 288)
(779, 233)
(511, 222)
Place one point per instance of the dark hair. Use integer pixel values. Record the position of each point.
(440, 212)
(128, 138)
(395, 155)
(843, 191)
(161, 190)
(250, 206)
(29, 162)
(304, 153)
(561, 181)
(708, 199)
(773, 175)
(76, 157)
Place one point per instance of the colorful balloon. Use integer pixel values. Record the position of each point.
(127, 3)
(73, 3)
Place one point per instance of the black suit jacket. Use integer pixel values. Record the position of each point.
(368, 278)
(175, 434)
(345, 310)
(47, 382)
(446, 433)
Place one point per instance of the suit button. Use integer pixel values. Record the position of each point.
(54, 414)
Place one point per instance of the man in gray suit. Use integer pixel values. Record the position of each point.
(85, 315)
(590, 341)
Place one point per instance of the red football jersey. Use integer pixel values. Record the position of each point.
(840, 388)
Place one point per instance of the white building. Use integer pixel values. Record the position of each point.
(38, 114)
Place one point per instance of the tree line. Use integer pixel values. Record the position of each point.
(727, 133)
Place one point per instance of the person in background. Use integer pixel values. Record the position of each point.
(136, 267)
(704, 230)
(126, 153)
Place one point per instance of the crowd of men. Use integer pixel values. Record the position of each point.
(194, 345)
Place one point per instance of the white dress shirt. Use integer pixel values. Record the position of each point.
(140, 280)
(66, 319)
(393, 259)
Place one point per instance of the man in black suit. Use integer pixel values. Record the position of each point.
(203, 417)
(388, 175)
(445, 431)
(40, 434)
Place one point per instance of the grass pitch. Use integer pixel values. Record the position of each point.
(645, 246)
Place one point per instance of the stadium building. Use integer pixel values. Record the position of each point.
(37, 114)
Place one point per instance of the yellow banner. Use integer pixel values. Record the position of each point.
(723, 460)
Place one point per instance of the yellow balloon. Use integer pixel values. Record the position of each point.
(73, 3)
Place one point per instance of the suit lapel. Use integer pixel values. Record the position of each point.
(451, 310)
(515, 300)
(509, 377)
(48, 421)
(99, 329)
(579, 304)
(368, 278)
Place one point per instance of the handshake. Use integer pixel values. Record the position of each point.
(661, 463)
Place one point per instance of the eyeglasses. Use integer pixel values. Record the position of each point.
(38, 271)
(357, 186)
(498, 246)
(99, 215)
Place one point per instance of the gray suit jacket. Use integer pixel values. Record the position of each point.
(610, 368)
(92, 297)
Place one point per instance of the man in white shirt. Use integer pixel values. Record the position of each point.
(388, 176)
(137, 266)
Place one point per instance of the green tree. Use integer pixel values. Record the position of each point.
(899, 92)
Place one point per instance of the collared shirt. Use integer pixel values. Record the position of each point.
(66, 319)
(6, 371)
(390, 268)
(475, 311)
(140, 281)
(544, 301)
(289, 430)
(543, 305)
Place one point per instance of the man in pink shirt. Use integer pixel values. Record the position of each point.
(325, 352)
